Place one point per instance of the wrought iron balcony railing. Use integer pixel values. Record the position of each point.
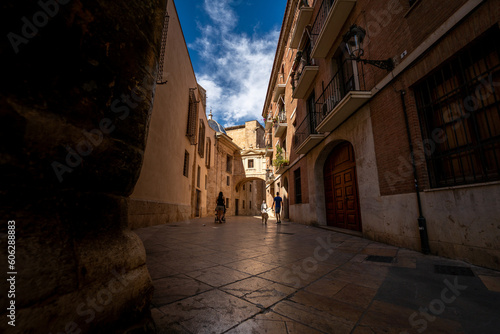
(305, 129)
(305, 60)
(341, 84)
(320, 19)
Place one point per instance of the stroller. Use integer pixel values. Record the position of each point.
(223, 218)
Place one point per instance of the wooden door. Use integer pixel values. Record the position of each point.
(342, 204)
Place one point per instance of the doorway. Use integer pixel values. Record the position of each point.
(285, 199)
(198, 203)
(236, 206)
(341, 190)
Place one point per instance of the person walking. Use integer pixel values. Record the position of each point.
(277, 204)
(263, 209)
(221, 203)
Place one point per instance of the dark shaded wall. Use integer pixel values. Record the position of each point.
(76, 96)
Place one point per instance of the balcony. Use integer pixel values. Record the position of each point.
(269, 151)
(282, 169)
(303, 18)
(340, 99)
(279, 90)
(280, 125)
(329, 21)
(269, 176)
(306, 136)
(305, 71)
(269, 122)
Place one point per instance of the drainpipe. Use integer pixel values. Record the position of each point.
(422, 225)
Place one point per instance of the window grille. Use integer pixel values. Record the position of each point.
(201, 140)
(198, 177)
(160, 80)
(208, 152)
(298, 187)
(186, 164)
(192, 117)
(459, 107)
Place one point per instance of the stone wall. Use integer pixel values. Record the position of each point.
(165, 192)
(75, 104)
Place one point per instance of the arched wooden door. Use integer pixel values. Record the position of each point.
(341, 190)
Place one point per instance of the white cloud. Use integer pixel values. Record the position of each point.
(238, 66)
(221, 13)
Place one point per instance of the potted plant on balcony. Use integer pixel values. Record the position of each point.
(280, 161)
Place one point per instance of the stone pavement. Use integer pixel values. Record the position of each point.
(243, 277)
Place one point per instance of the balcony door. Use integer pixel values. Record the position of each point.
(341, 190)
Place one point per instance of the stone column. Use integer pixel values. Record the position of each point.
(76, 96)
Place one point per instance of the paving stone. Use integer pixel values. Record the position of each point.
(210, 312)
(250, 266)
(319, 320)
(218, 275)
(326, 286)
(356, 295)
(344, 312)
(246, 286)
(242, 277)
(269, 295)
(383, 315)
(491, 282)
(173, 288)
(274, 324)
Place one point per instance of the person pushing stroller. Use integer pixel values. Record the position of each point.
(220, 208)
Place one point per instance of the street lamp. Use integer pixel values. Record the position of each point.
(353, 40)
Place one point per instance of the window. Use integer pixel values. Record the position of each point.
(250, 186)
(250, 163)
(229, 164)
(250, 205)
(243, 204)
(198, 177)
(227, 203)
(206, 182)
(298, 187)
(186, 164)
(227, 180)
(459, 109)
(201, 139)
(192, 117)
(208, 152)
(310, 108)
(243, 187)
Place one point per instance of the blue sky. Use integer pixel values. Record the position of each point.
(232, 45)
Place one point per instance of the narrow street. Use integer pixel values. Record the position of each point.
(245, 277)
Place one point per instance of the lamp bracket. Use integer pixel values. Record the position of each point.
(387, 64)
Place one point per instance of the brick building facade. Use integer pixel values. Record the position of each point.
(359, 135)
